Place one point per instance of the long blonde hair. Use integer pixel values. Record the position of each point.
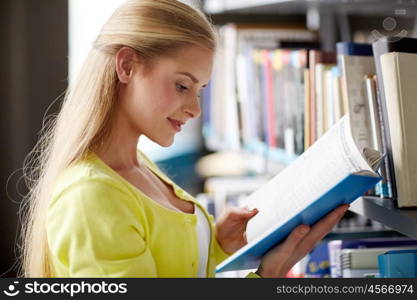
(153, 28)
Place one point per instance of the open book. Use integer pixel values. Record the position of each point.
(332, 172)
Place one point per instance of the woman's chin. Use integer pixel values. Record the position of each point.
(165, 142)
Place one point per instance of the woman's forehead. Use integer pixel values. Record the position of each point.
(193, 60)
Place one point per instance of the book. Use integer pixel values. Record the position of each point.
(374, 119)
(332, 172)
(398, 264)
(292, 103)
(307, 123)
(359, 273)
(387, 191)
(322, 98)
(316, 57)
(358, 49)
(318, 265)
(333, 96)
(269, 98)
(357, 262)
(399, 74)
(380, 47)
(237, 97)
(354, 68)
(336, 246)
(340, 107)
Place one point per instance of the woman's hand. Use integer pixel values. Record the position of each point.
(231, 228)
(279, 260)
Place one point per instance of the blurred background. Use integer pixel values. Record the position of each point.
(44, 42)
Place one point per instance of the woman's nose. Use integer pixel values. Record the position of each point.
(193, 108)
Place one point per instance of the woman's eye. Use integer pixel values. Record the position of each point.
(180, 87)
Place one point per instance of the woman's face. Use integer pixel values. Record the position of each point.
(161, 98)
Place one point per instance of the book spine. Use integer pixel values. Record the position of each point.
(386, 186)
(334, 258)
(307, 123)
(313, 59)
(380, 48)
(269, 92)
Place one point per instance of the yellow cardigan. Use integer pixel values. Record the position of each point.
(100, 225)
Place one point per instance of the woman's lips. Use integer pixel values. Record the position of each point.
(176, 124)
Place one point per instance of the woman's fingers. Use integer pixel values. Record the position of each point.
(310, 236)
(275, 262)
(320, 230)
(240, 214)
(301, 240)
(285, 249)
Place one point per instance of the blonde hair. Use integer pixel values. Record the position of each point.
(153, 28)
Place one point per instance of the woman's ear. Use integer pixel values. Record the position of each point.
(125, 59)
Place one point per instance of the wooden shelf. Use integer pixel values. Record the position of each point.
(385, 211)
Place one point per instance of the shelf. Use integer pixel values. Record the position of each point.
(361, 233)
(360, 7)
(386, 212)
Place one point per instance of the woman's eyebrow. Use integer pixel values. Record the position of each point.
(192, 77)
(195, 80)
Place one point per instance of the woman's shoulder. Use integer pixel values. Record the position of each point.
(91, 177)
(90, 190)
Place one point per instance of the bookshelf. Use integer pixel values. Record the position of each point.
(385, 211)
(365, 7)
(323, 16)
(361, 233)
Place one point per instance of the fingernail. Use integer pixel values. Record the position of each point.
(252, 212)
(304, 230)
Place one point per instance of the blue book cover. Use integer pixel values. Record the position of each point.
(332, 172)
(346, 191)
(358, 49)
(318, 265)
(398, 264)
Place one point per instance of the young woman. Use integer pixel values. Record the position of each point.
(98, 206)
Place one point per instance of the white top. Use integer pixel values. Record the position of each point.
(203, 234)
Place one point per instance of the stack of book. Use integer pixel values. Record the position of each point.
(359, 258)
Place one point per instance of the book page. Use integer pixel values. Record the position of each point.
(316, 171)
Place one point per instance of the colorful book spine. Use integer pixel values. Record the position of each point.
(269, 93)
